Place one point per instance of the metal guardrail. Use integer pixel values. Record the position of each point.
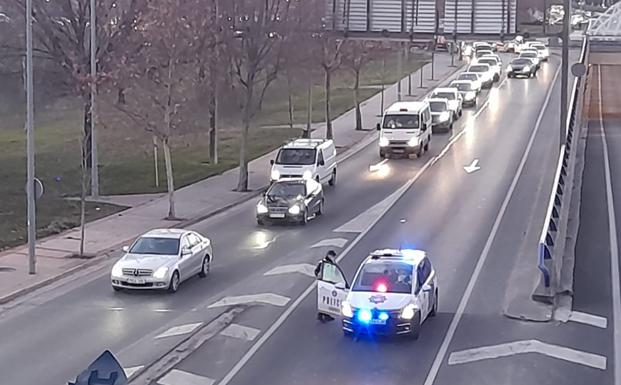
(551, 242)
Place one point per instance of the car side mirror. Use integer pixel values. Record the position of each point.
(271, 162)
(321, 162)
(185, 251)
(125, 249)
(378, 127)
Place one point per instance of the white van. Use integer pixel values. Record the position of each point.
(405, 129)
(307, 159)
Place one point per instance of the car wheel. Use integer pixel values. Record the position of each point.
(320, 208)
(415, 333)
(434, 309)
(347, 333)
(420, 152)
(205, 267)
(426, 147)
(260, 222)
(382, 155)
(174, 282)
(460, 113)
(116, 289)
(450, 127)
(333, 179)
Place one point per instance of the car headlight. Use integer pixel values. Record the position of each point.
(346, 310)
(444, 116)
(308, 174)
(160, 273)
(275, 175)
(470, 95)
(526, 68)
(407, 313)
(383, 142)
(117, 270)
(294, 210)
(261, 208)
(476, 84)
(413, 142)
(509, 68)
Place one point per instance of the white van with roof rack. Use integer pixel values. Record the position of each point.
(306, 159)
(405, 129)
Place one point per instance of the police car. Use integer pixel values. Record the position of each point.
(393, 293)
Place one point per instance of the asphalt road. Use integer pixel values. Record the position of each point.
(472, 226)
(451, 214)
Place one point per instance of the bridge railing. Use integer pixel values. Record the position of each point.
(552, 239)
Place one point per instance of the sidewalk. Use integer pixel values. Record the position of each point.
(194, 203)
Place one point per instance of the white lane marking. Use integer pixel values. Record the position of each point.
(614, 245)
(363, 220)
(268, 298)
(332, 242)
(179, 377)
(162, 310)
(241, 332)
(588, 319)
(450, 333)
(302, 268)
(115, 308)
(179, 330)
(129, 372)
(378, 166)
(472, 167)
(262, 240)
(528, 346)
(283, 317)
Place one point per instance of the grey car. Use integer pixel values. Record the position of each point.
(162, 259)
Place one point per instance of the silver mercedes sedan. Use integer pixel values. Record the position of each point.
(162, 259)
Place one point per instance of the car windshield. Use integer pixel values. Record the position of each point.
(296, 156)
(437, 106)
(286, 190)
(528, 54)
(477, 68)
(389, 277)
(400, 121)
(521, 62)
(491, 62)
(157, 246)
(468, 77)
(538, 47)
(483, 53)
(462, 86)
(444, 95)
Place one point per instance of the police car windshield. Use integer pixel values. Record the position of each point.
(437, 106)
(400, 121)
(156, 246)
(389, 277)
(286, 190)
(296, 156)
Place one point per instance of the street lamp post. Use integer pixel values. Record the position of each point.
(30, 183)
(94, 154)
(564, 70)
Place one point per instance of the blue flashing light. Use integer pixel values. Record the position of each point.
(364, 316)
(383, 316)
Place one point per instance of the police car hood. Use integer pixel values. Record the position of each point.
(375, 300)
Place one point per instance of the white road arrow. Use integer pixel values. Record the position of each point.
(528, 346)
(474, 166)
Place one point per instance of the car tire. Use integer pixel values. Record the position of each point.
(320, 209)
(332, 181)
(382, 155)
(260, 222)
(174, 283)
(426, 147)
(116, 289)
(460, 113)
(415, 333)
(450, 127)
(205, 267)
(434, 309)
(348, 334)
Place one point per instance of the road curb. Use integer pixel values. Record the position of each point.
(101, 256)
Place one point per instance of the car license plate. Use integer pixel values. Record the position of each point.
(277, 215)
(398, 150)
(139, 281)
(378, 322)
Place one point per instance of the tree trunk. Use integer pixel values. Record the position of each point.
(328, 80)
(213, 148)
(290, 100)
(169, 180)
(84, 187)
(120, 97)
(87, 146)
(357, 99)
(242, 183)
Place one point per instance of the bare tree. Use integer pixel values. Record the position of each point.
(356, 55)
(330, 59)
(257, 32)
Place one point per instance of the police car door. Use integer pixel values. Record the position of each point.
(425, 287)
(332, 288)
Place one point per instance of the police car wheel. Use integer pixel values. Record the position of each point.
(415, 333)
(434, 309)
(320, 208)
(347, 333)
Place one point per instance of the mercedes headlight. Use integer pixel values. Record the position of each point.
(346, 310)
(444, 116)
(308, 174)
(384, 142)
(294, 210)
(117, 271)
(161, 272)
(275, 175)
(413, 142)
(261, 208)
(526, 68)
(407, 313)
(470, 95)
(509, 68)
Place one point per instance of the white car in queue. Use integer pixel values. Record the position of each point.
(162, 259)
(494, 64)
(487, 74)
(441, 116)
(454, 99)
(307, 159)
(393, 293)
(474, 77)
(468, 91)
(405, 129)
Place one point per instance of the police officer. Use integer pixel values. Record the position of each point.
(329, 258)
